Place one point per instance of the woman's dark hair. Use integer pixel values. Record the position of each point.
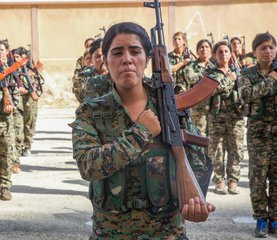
(95, 45)
(199, 44)
(87, 40)
(129, 28)
(218, 44)
(261, 38)
(235, 38)
(5, 43)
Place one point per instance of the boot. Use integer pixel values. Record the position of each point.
(5, 194)
(220, 188)
(233, 187)
(273, 227)
(261, 230)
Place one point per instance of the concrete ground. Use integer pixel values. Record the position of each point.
(50, 198)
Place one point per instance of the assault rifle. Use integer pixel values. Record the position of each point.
(172, 136)
(243, 50)
(212, 38)
(189, 53)
(31, 88)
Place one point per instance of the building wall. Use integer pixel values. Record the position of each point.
(57, 30)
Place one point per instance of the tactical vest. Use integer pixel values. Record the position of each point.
(254, 110)
(156, 171)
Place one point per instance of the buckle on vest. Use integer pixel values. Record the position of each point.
(107, 115)
(138, 204)
(96, 114)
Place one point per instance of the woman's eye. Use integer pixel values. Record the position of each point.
(115, 53)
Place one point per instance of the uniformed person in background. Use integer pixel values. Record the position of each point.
(236, 45)
(94, 76)
(227, 124)
(117, 146)
(30, 104)
(178, 59)
(193, 73)
(18, 116)
(258, 88)
(7, 136)
(80, 64)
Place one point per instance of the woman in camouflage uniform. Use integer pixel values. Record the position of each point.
(117, 146)
(7, 137)
(193, 73)
(258, 88)
(178, 60)
(227, 131)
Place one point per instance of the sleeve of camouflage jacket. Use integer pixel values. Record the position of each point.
(96, 160)
(263, 87)
(76, 79)
(226, 84)
(191, 76)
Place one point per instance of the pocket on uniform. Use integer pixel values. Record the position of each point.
(157, 181)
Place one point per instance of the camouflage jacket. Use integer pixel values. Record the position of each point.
(259, 94)
(96, 86)
(79, 83)
(179, 76)
(194, 71)
(225, 97)
(10, 83)
(107, 144)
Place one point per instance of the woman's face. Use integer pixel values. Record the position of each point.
(126, 61)
(265, 52)
(223, 55)
(204, 51)
(17, 57)
(3, 51)
(178, 41)
(98, 61)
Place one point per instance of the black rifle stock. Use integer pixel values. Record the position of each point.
(187, 185)
(31, 88)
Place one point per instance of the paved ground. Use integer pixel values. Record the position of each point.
(50, 198)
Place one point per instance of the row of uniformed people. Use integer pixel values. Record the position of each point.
(20, 88)
(223, 63)
(247, 87)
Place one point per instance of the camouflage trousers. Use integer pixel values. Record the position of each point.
(262, 148)
(7, 146)
(136, 225)
(226, 134)
(200, 117)
(19, 134)
(30, 117)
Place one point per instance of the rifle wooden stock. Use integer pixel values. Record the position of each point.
(202, 90)
(187, 185)
(190, 138)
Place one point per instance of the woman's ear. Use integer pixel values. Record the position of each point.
(147, 61)
(254, 53)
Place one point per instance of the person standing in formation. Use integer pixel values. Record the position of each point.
(82, 62)
(8, 101)
(117, 146)
(178, 59)
(193, 73)
(227, 125)
(258, 90)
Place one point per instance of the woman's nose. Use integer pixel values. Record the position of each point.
(127, 58)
